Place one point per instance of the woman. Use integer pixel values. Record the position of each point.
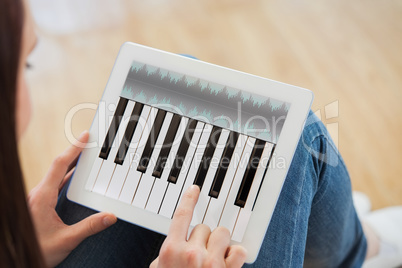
(314, 223)
(20, 247)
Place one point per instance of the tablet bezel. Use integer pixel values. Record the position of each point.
(300, 102)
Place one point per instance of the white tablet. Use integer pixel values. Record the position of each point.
(167, 121)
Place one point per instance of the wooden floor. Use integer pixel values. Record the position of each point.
(347, 52)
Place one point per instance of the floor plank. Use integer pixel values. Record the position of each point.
(347, 52)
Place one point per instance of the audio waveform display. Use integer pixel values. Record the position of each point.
(251, 114)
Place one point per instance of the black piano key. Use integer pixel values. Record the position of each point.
(182, 151)
(223, 164)
(207, 157)
(249, 174)
(114, 126)
(128, 134)
(149, 146)
(167, 145)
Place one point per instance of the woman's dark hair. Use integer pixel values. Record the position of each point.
(18, 244)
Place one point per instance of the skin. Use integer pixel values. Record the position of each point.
(203, 248)
(24, 107)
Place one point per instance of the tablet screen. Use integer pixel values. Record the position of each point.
(230, 108)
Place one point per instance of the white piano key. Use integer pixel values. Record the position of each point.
(170, 200)
(120, 173)
(108, 166)
(230, 210)
(93, 175)
(216, 205)
(196, 159)
(147, 181)
(160, 185)
(134, 176)
(245, 213)
(105, 119)
(203, 200)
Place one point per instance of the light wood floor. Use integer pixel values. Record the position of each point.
(347, 52)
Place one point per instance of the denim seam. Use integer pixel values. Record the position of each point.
(315, 136)
(322, 133)
(295, 223)
(323, 190)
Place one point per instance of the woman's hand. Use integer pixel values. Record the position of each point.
(203, 248)
(56, 239)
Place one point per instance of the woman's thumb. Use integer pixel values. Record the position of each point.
(90, 226)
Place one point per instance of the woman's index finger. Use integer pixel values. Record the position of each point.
(184, 213)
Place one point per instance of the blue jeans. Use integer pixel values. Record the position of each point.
(314, 223)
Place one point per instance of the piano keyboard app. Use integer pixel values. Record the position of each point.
(169, 131)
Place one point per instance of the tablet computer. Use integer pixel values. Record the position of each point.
(167, 121)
